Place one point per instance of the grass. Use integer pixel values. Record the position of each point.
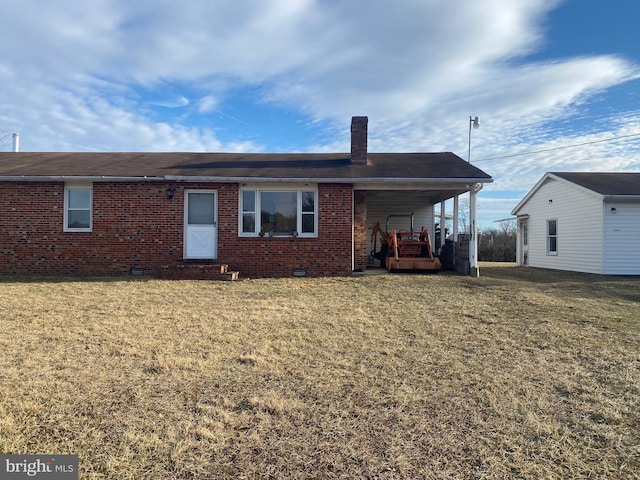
(522, 373)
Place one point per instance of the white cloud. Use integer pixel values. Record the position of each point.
(207, 104)
(85, 121)
(85, 76)
(172, 102)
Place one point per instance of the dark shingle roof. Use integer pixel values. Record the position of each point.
(605, 183)
(415, 166)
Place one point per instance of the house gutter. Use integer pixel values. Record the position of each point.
(180, 178)
(78, 178)
(622, 198)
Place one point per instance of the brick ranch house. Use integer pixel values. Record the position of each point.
(262, 214)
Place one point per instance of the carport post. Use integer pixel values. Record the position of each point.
(442, 224)
(474, 271)
(456, 201)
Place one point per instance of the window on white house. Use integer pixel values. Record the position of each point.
(77, 208)
(278, 212)
(552, 237)
(525, 234)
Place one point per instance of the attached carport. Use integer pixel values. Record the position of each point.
(390, 205)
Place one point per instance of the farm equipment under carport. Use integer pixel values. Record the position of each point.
(404, 249)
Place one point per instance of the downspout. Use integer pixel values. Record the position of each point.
(474, 271)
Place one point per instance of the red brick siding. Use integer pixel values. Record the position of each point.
(360, 230)
(134, 224)
(327, 255)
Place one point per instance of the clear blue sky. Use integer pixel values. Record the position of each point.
(288, 75)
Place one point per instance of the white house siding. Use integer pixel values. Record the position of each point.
(579, 216)
(622, 238)
(381, 204)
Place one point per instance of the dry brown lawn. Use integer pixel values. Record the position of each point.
(521, 373)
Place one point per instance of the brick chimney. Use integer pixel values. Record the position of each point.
(359, 140)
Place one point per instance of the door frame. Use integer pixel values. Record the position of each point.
(214, 226)
(523, 242)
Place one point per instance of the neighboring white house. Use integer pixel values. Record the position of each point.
(582, 222)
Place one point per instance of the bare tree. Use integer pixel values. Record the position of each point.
(463, 215)
(508, 227)
(498, 244)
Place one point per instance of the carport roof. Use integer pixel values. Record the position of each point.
(318, 167)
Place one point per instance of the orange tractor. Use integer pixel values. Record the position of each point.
(404, 250)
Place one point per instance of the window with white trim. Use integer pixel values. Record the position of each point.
(78, 208)
(552, 237)
(278, 212)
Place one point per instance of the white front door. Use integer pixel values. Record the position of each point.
(200, 224)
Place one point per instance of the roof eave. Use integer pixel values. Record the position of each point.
(533, 190)
(195, 178)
